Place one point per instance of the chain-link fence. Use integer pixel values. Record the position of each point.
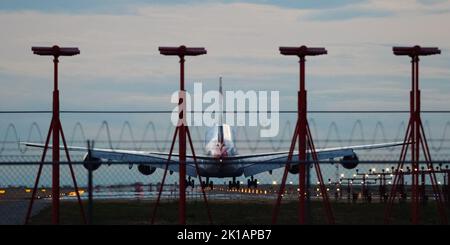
(118, 190)
(123, 193)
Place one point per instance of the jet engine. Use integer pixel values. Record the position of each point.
(293, 169)
(91, 164)
(146, 170)
(350, 162)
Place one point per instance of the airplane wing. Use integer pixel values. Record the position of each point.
(153, 159)
(259, 163)
(252, 163)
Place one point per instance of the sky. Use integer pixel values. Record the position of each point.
(120, 67)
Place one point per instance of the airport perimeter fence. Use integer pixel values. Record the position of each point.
(122, 194)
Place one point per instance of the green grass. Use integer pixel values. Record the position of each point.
(233, 212)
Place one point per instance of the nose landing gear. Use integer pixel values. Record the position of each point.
(190, 182)
(234, 184)
(208, 183)
(252, 183)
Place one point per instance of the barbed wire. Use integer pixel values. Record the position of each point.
(150, 135)
(235, 111)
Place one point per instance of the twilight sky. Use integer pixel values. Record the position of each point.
(120, 66)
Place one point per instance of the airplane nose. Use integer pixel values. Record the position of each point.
(223, 152)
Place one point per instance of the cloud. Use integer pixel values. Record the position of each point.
(118, 6)
(379, 9)
(119, 56)
(346, 14)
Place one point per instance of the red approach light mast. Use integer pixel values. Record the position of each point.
(55, 130)
(303, 133)
(415, 137)
(183, 131)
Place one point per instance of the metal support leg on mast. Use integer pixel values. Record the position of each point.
(305, 142)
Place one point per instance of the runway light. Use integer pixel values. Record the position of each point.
(73, 193)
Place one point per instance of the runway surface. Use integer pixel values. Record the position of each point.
(12, 212)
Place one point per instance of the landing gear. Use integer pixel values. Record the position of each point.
(234, 184)
(208, 183)
(252, 183)
(190, 182)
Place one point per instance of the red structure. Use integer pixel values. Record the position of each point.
(446, 188)
(381, 177)
(303, 133)
(55, 130)
(183, 131)
(415, 138)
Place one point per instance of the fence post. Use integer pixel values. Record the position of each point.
(308, 194)
(90, 146)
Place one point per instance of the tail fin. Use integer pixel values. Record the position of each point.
(220, 86)
(220, 136)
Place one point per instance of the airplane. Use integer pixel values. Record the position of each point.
(220, 159)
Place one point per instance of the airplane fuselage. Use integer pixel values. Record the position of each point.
(219, 144)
